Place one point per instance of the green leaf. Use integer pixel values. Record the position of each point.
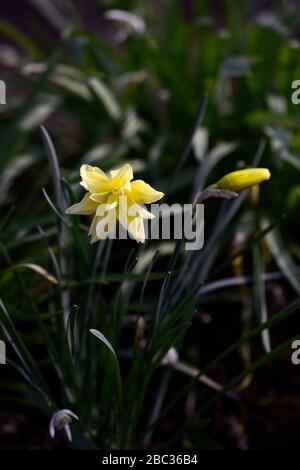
(37, 268)
(55, 170)
(104, 340)
(18, 36)
(106, 97)
(283, 259)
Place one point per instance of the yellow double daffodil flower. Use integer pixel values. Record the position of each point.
(114, 197)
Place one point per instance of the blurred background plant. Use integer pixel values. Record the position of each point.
(116, 82)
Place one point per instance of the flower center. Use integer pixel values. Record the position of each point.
(118, 192)
(64, 421)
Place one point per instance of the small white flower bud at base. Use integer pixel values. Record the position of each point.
(171, 358)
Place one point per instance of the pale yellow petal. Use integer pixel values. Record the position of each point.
(131, 216)
(100, 198)
(102, 226)
(136, 210)
(85, 207)
(92, 231)
(110, 203)
(137, 229)
(105, 225)
(121, 177)
(123, 211)
(143, 193)
(94, 180)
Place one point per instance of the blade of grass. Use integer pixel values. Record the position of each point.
(61, 204)
(197, 122)
(119, 387)
(283, 259)
(55, 210)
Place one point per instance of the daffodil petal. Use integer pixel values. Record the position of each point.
(105, 225)
(143, 193)
(102, 226)
(121, 177)
(136, 210)
(132, 216)
(85, 207)
(137, 229)
(111, 203)
(99, 198)
(123, 211)
(92, 231)
(126, 186)
(94, 180)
